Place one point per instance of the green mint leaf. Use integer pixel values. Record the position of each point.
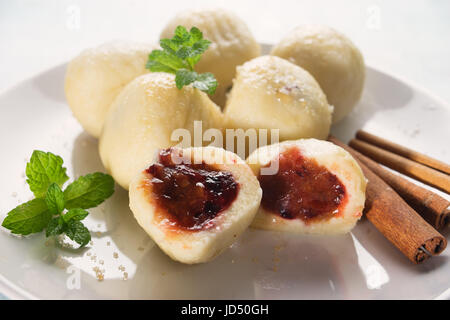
(179, 56)
(30, 217)
(206, 83)
(181, 35)
(169, 46)
(55, 199)
(43, 169)
(162, 61)
(54, 227)
(75, 214)
(78, 232)
(196, 34)
(89, 191)
(199, 47)
(185, 77)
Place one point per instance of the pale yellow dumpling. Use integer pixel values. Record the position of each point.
(332, 59)
(96, 76)
(232, 44)
(273, 93)
(143, 118)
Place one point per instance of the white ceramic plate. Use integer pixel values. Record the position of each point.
(261, 265)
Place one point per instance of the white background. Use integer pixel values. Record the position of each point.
(407, 38)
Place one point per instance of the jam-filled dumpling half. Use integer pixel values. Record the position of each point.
(195, 202)
(309, 186)
(96, 76)
(273, 93)
(232, 44)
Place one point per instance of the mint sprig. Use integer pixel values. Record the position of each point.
(54, 210)
(43, 169)
(179, 56)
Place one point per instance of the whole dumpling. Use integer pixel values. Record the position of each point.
(142, 119)
(96, 76)
(273, 93)
(332, 59)
(232, 44)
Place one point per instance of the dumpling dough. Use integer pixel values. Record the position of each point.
(272, 93)
(201, 244)
(332, 59)
(339, 174)
(142, 119)
(97, 75)
(232, 44)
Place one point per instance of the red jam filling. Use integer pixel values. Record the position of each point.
(301, 189)
(191, 195)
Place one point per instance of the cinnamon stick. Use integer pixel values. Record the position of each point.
(408, 167)
(397, 221)
(432, 207)
(403, 151)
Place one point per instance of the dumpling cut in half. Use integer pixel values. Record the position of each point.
(309, 186)
(195, 202)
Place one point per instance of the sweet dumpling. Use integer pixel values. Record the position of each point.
(143, 118)
(232, 44)
(309, 186)
(273, 93)
(332, 59)
(195, 202)
(97, 75)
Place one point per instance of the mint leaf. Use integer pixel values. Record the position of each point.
(78, 232)
(55, 199)
(30, 217)
(75, 214)
(206, 83)
(179, 56)
(161, 61)
(54, 227)
(181, 35)
(44, 169)
(185, 77)
(89, 191)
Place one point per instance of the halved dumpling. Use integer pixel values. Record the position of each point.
(195, 202)
(309, 186)
(96, 76)
(152, 113)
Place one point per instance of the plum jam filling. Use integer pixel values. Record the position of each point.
(191, 195)
(302, 189)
